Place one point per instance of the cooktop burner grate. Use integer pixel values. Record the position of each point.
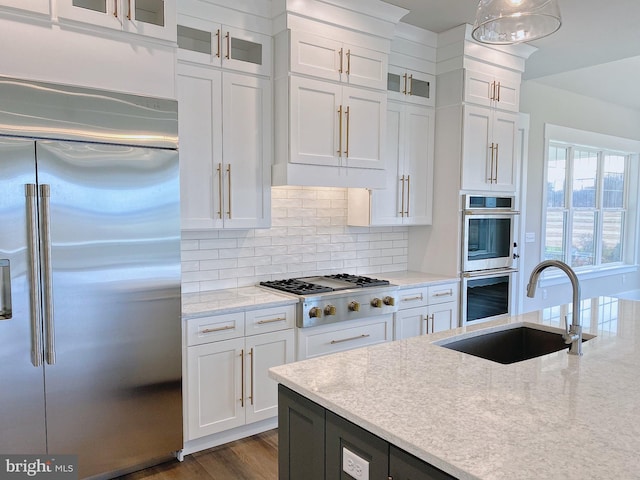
(359, 280)
(297, 287)
(323, 284)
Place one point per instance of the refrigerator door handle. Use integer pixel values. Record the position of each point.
(45, 248)
(30, 191)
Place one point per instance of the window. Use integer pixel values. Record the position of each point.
(586, 211)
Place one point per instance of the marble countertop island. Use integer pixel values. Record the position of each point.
(557, 416)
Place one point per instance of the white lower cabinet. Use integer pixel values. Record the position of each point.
(227, 380)
(425, 310)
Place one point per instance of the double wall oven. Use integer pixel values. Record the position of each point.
(489, 256)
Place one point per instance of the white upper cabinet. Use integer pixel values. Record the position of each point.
(489, 160)
(499, 91)
(224, 46)
(411, 86)
(152, 18)
(33, 6)
(337, 61)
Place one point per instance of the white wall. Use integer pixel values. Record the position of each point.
(547, 104)
(309, 236)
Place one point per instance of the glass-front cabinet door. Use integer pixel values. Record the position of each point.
(410, 86)
(224, 46)
(154, 18)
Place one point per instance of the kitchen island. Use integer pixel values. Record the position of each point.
(555, 416)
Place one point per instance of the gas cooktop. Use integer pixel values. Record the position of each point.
(323, 283)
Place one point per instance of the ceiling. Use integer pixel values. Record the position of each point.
(596, 52)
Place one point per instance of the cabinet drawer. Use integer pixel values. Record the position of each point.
(443, 293)
(218, 327)
(270, 319)
(316, 341)
(413, 297)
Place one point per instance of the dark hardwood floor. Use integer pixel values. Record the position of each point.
(253, 458)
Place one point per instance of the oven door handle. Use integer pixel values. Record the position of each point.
(489, 273)
(491, 212)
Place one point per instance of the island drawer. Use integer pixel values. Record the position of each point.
(413, 297)
(270, 319)
(447, 292)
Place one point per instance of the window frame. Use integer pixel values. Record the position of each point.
(573, 139)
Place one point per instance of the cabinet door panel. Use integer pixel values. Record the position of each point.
(478, 87)
(410, 323)
(477, 167)
(200, 128)
(95, 12)
(245, 51)
(420, 132)
(444, 316)
(314, 121)
(404, 466)
(314, 55)
(246, 143)
(363, 136)
(214, 373)
(365, 67)
(265, 351)
(504, 135)
(153, 18)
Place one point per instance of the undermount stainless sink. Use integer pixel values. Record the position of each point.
(510, 345)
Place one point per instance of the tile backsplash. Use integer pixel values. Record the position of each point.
(308, 236)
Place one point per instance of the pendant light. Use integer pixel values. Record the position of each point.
(504, 22)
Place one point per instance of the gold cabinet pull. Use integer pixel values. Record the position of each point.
(272, 320)
(492, 95)
(349, 62)
(219, 170)
(340, 69)
(129, 10)
(357, 337)
(402, 196)
(228, 37)
(408, 193)
(448, 293)
(115, 8)
(404, 91)
(251, 375)
(495, 179)
(498, 97)
(218, 329)
(229, 191)
(218, 40)
(490, 179)
(346, 114)
(411, 299)
(242, 378)
(411, 84)
(340, 131)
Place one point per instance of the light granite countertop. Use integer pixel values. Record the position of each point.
(551, 417)
(216, 302)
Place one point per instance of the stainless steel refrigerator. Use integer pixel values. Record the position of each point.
(90, 331)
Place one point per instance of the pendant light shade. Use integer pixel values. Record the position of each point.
(504, 22)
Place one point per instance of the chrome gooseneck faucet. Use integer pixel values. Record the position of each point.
(573, 334)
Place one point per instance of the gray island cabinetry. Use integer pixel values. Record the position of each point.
(316, 444)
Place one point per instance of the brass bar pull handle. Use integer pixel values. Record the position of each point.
(346, 114)
(411, 299)
(218, 40)
(115, 8)
(490, 179)
(219, 170)
(219, 329)
(402, 198)
(432, 317)
(411, 84)
(272, 320)
(408, 193)
(448, 293)
(228, 55)
(129, 10)
(349, 62)
(498, 99)
(340, 69)
(251, 376)
(242, 378)
(493, 91)
(364, 335)
(340, 131)
(34, 268)
(496, 166)
(47, 284)
(404, 91)
(229, 191)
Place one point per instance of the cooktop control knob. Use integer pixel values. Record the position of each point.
(330, 310)
(354, 306)
(376, 303)
(389, 300)
(315, 312)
